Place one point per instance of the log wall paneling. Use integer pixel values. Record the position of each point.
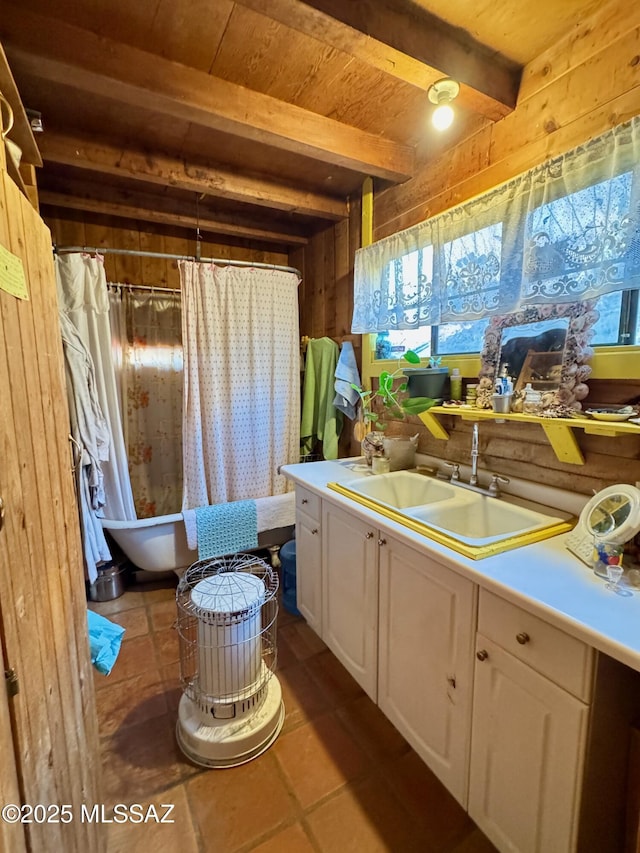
(578, 89)
(42, 595)
(107, 232)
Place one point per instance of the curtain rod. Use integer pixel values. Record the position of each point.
(138, 253)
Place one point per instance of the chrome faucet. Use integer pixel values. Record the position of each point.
(473, 480)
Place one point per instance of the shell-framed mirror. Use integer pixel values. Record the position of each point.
(547, 346)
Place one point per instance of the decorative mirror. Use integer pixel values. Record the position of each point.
(612, 514)
(547, 346)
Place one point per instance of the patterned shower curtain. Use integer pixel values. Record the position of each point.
(147, 344)
(241, 417)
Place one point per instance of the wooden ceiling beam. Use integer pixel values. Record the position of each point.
(410, 45)
(94, 204)
(51, 50)
(160, 169)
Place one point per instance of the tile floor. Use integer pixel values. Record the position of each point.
(339, 779)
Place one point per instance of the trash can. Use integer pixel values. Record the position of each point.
(109, 584)
(288, 562)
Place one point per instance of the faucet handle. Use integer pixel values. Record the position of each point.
(455, 473)
(494, 485)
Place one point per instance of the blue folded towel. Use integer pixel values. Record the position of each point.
(226, 528)
(346, 398)
(105, 638)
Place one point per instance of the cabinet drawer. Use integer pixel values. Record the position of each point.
(308, 502)
(561, 658)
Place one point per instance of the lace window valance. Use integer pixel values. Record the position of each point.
(565, 231)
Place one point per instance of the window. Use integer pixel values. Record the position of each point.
(565, 231)
(619, 324)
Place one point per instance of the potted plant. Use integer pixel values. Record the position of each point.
(427, 381)
(369, 430)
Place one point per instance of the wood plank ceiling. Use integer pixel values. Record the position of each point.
(257, 119)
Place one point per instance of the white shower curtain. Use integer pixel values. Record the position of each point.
(83, 297)
(241, 405)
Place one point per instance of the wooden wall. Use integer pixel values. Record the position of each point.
(43, 609)
(588, 82)
(69, 229)
(578, 89)
(326, 291)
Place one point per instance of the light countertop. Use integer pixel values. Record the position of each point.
(544, 578)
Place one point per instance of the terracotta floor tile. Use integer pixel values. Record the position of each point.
(237, 806)
(131, 598)
(293, 839)
(303, 698)
(431, 805)
(304, 642)
(134, 700)
(134, 621)
(284, 616)
(172, 687)
(286, 657)
(318, 758)
(163, 614)
(334, 679)
(161, 591)
(476, 842)
(364, 818)
(167, 646)
(158, 837)
(135, 657)
(142, 759)
(371, 729)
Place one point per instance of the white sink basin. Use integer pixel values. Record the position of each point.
(472, 524)
(402, 489)
(479, 520)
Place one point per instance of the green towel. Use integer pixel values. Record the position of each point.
(320, 418)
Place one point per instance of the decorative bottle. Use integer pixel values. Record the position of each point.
(455, 391)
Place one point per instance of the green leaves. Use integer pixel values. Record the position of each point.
(389, 398)
(416, 405)
(411, 356)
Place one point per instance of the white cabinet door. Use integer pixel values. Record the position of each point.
(527, 752)
(350, 593)
(425, 659)
(309, 570)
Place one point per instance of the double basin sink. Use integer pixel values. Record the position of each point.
(470, 523)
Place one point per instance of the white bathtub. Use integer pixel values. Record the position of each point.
(160, 544)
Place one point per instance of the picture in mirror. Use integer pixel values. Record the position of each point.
(534, 353)
(547, 346)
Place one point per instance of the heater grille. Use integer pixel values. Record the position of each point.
(227, 616)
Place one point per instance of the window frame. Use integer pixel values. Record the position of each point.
(608, 362)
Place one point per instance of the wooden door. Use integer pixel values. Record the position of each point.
(527, 756)
(350, 594)
(425, 659)
(42, 597)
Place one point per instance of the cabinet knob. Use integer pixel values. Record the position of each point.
(304, 501)
(369, 535)
(523, 638)
(314, 531)
(482, 654)
(382, 541)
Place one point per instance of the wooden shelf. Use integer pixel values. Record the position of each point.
(559, 431)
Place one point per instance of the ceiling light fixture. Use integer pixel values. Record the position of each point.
(441, 93)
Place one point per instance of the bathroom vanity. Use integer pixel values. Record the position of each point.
(516, 677)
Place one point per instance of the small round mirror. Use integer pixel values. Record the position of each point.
(608, 514)
(612, 514)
